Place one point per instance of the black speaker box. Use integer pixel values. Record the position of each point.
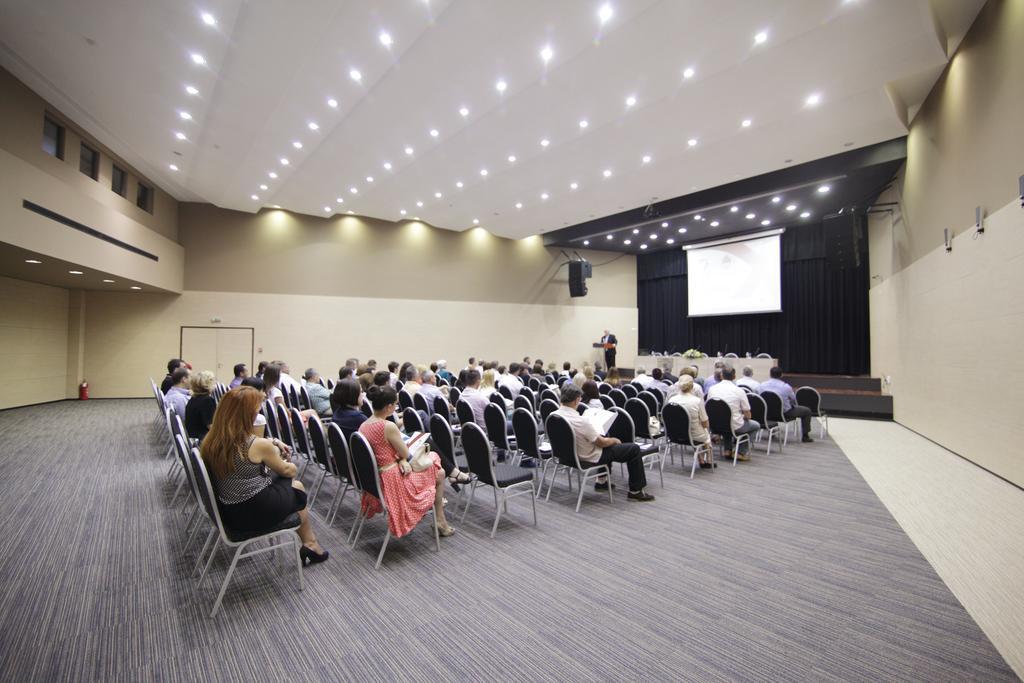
(842, 240)
(578, 272)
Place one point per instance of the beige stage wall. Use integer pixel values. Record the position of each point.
(946, 327)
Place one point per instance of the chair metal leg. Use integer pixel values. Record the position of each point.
(472, 491)
(298, 561)
(579, 499)
(202, 551)
(383, 547)
(533, 502)
(357, 527)
(437, 536)
(227, 579)
(497, 509)
(609, 470)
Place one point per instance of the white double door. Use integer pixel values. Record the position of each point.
(217, 349)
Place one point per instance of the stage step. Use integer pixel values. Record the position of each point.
(850, 382)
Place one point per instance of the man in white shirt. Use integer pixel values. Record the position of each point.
(642, 378)
(178, 395)
(736, 398)
(287, 381)
(412, 382)
(592, 447)
(747, 380)
(511, 380)
(476, 399)
(428, 389)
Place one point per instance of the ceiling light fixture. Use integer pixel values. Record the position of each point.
(284, 161)
(627, 241)
(476, 221)
(332, 103)
(198, 59)
(544, 195)
(109, 281)
(654, 235)
(643, 246)
(805, 214)
(340, 200)
(327, 209)
(511, 158)
(608, 237)
(766, 222)
(607, 173)
(692, 142)
(185, 116)
(419, 204)
(646, 159)
(434, 133)
(547, 53)
(636, 231)
(696, 217)
(586, 243)
(191, 90)
(136, 288)
(297, 145)
(458, 184)
(369, 178)
(483, 172)
(688, 72)
(734, 209)
(574, 186)
(409, 151)
(545, 142)
(823, 189)
(751, 216)
(631, 100)
(208, 19)
(501, 85)
(813, 100)
(605, 12)
(437, 195)
(387, 165)
(350, 212)
(180, 136)
(776, 199)
(32, 261)
(385, 38)
(354, 190)
(272, 175)
(746, 123)
(681, 231)
(463, 112)
(519, 205)
(791, 207)
(760, 37)
(584, 123)
(254, 197)
(264, 188)
(355, 75)
(714, 224)
(401, 211)
(312, 125)
(664, 224)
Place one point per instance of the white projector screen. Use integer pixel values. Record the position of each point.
(738, 277)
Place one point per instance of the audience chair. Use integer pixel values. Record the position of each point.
(404, 400)
(304, 401)
(240, 541)
(321, 457)
(507, 481)
(399, 384)
(343, 468)
(720, 419)
(547, 406)
(464, 412)
(522, 402)
(677, 432)
(808, 397)
(531, 396)
(533, 383)
(505, 392)
(759, 414)
(412, 422)
(619, 397)
(603, 388)
(366, 408)
(184, 454)
(365, 465)
(453, 395)
(581, 408)
(442, 408)
(330, 384)
(549, 379)
(650, 400)
(776, 414)
(630, 390)
(301, 440)
(632, 425)
(659, 396)
(763, 355)
(527, 432)
(497, 399)
(443, 440)
(607, 402)
(272, 431)
(284, 424)
(731, 355)
(549, 395)
(563, 447)
(497, 430)
(420, 403)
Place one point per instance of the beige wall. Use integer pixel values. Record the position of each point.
(33, 343)
(946, 327)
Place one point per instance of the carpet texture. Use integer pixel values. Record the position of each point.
(784, 568)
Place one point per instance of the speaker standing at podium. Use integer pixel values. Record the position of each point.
(609, 341)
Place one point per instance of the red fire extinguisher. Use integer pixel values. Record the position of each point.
(83, 391)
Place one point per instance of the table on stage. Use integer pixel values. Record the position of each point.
(706, 366)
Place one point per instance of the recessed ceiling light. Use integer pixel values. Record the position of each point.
(636, 231)
(355, 75)
(681, 231)
(483, 172)
(354, 190)
(584, 123)
(776, 199)
(409, 151)
(351, 212)
(255, 197)
(272, 174)
(547, 53)
(805, 214)
(276, 206)
(654, 235)
(264, 187)
(519, 205)
(387, 165)
(643, 246)
(173, 167)
(586, 243)
(284, 161)
(312, 125)
(198, 58)
(109, 282)
(463, 112)
(32, 261)
(544, 195)
(501, 85)
(191, 90)
(664, 224)
(791, 207)
(696, 217)
(208, 19)
(385, 38)
(332, 103)
(327, 209)
(574, 186)
(185, 116)
(511, 158)
(434, 133)
(607, 173)
(823, 189)
(646, 159)
(180, 135)
(631, 100)
(605, 12)
(751, 216)
(369, 178)
(607, 237)
(761, 37)
(340, 200)
(688, 72)
(692, 142)
(714, 224)
(545, 142)
(437, 195)
(476, 221)
(746, 123)
(627, 241)
(401, 211)
(734, 209)
(419, 204)
(458, 184)
(297, 145)
(766, 222)
(813, 99)
(136, 288)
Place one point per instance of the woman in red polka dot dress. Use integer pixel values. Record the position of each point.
(408, 494)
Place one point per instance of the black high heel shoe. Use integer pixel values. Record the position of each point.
(310, 556)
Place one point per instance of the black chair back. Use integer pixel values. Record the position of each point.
(677, 424)
(399, 384)
(530, 396)
(533, 383)
(478, 453)
(522, 402)
(441, 407)
(366, 408)
(630, 390)
(774, 403)
(641, 417)
(419, 402)
(809, 398)
(607, 401)
(619, 397)
(365, 466)
(497, 430)
(442, 438)
(304, 399)
(299, 429)
(603, 388)
(659, 394)
(547, 406)
(549, 378)
(318, 442)
(650, 400)
(524, 426)
(622, 427)
(204, 486)
(549, 395)
(404, 400)
(464, 412)
(497, 400)
(284, 424)
(294, 395)
(453, 395)
(581, 408)
(411, 421)
(562, 439)
(719, 416)
(270, 413)
(505, 391)
(758, 409)
(341, 456)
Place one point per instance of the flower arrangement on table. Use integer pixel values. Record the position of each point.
(694, 353)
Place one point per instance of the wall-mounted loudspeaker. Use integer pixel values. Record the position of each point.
(842, 240)
(579, 271)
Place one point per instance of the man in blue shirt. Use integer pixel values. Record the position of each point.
(790, 408)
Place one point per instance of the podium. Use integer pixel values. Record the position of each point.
(606, 347)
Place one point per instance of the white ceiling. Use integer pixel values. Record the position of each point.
(120, 68)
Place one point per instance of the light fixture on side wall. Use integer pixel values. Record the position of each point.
(979, 220)
(947, 239)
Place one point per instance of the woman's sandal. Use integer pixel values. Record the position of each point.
(445, 531)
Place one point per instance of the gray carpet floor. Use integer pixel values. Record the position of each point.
(785, 568)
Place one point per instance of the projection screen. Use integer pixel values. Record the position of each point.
(735, 277)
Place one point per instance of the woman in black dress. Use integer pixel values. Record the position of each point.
(200, 408)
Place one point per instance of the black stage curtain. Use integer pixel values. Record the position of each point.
(823, 326)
